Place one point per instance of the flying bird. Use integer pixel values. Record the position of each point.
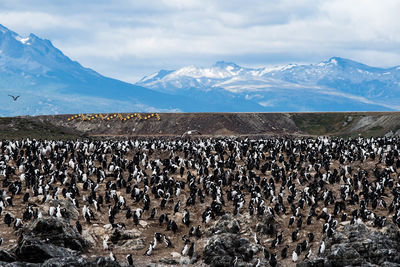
(14, 97)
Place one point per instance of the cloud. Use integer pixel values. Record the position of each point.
(129, 39)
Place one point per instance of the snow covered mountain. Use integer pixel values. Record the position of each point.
(51, 83)
(334, 85)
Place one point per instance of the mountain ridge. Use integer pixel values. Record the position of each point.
(49, 82)
(338, 76)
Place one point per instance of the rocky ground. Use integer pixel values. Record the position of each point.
(209, 124)
(51, 241)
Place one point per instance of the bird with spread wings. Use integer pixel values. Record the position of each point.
(14, 97)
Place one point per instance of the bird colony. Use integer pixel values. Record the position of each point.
(173, 191)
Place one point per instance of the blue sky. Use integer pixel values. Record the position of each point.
(129, 39)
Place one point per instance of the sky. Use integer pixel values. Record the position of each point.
(128, 39)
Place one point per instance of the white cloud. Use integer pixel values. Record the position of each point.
(25, 22)
(128, 39)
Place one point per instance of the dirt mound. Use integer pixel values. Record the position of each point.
(208, 124)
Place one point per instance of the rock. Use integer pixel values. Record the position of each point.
(66, 262)
(226, 242)
(35, 251)
(88, 237)
(18, 264)
(221, 249)
(225, 225)
(184, 261)
(267, 225)
(119, 236)
(71, 211)
(169, 261)
(6, 256)
(127, 239)
(195, 258)
(135, 244)
(175, 254)
(359, 245)
(104, 262)
(143, 223)
(314, 263)
(47, 238)
(108, 226)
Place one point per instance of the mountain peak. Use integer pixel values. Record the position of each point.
(3, 29)
(225, 64)
(345, 62)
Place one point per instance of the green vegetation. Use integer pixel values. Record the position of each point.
(323, 123)
(18, 127)
(375, 131)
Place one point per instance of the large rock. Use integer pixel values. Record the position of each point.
(127, 239)
(359, 245)
(18, 264)
(79, 262)
(225, 243)
(6, 256)
(104, 262)
(267, 225)
(71, 212)
(225, 225)
(47, 238)
(66, 262)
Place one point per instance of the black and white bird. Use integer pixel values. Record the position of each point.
(129, 259)
(191, 250)
(294, 256)
(322, 248)
(78, 227)
(14, 97)
(308, 255)
(256, 240)
(185, 248)
(105, 245)
(112, 257)
(284, 252)
(149, 250)
(168, 242)
(257, 263)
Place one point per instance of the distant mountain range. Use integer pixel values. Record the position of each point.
(335, 85)
(51, 83)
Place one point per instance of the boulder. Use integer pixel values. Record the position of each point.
(267, 225)
(360, 245)
(37, 252)
(222, 249)
(120, 236)
(226, 242)
(18, 264)
(66, 262)
(6, 256)
(47, 238)
(71, 212)
(104, 262)
(227, 224)
(127, 239)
